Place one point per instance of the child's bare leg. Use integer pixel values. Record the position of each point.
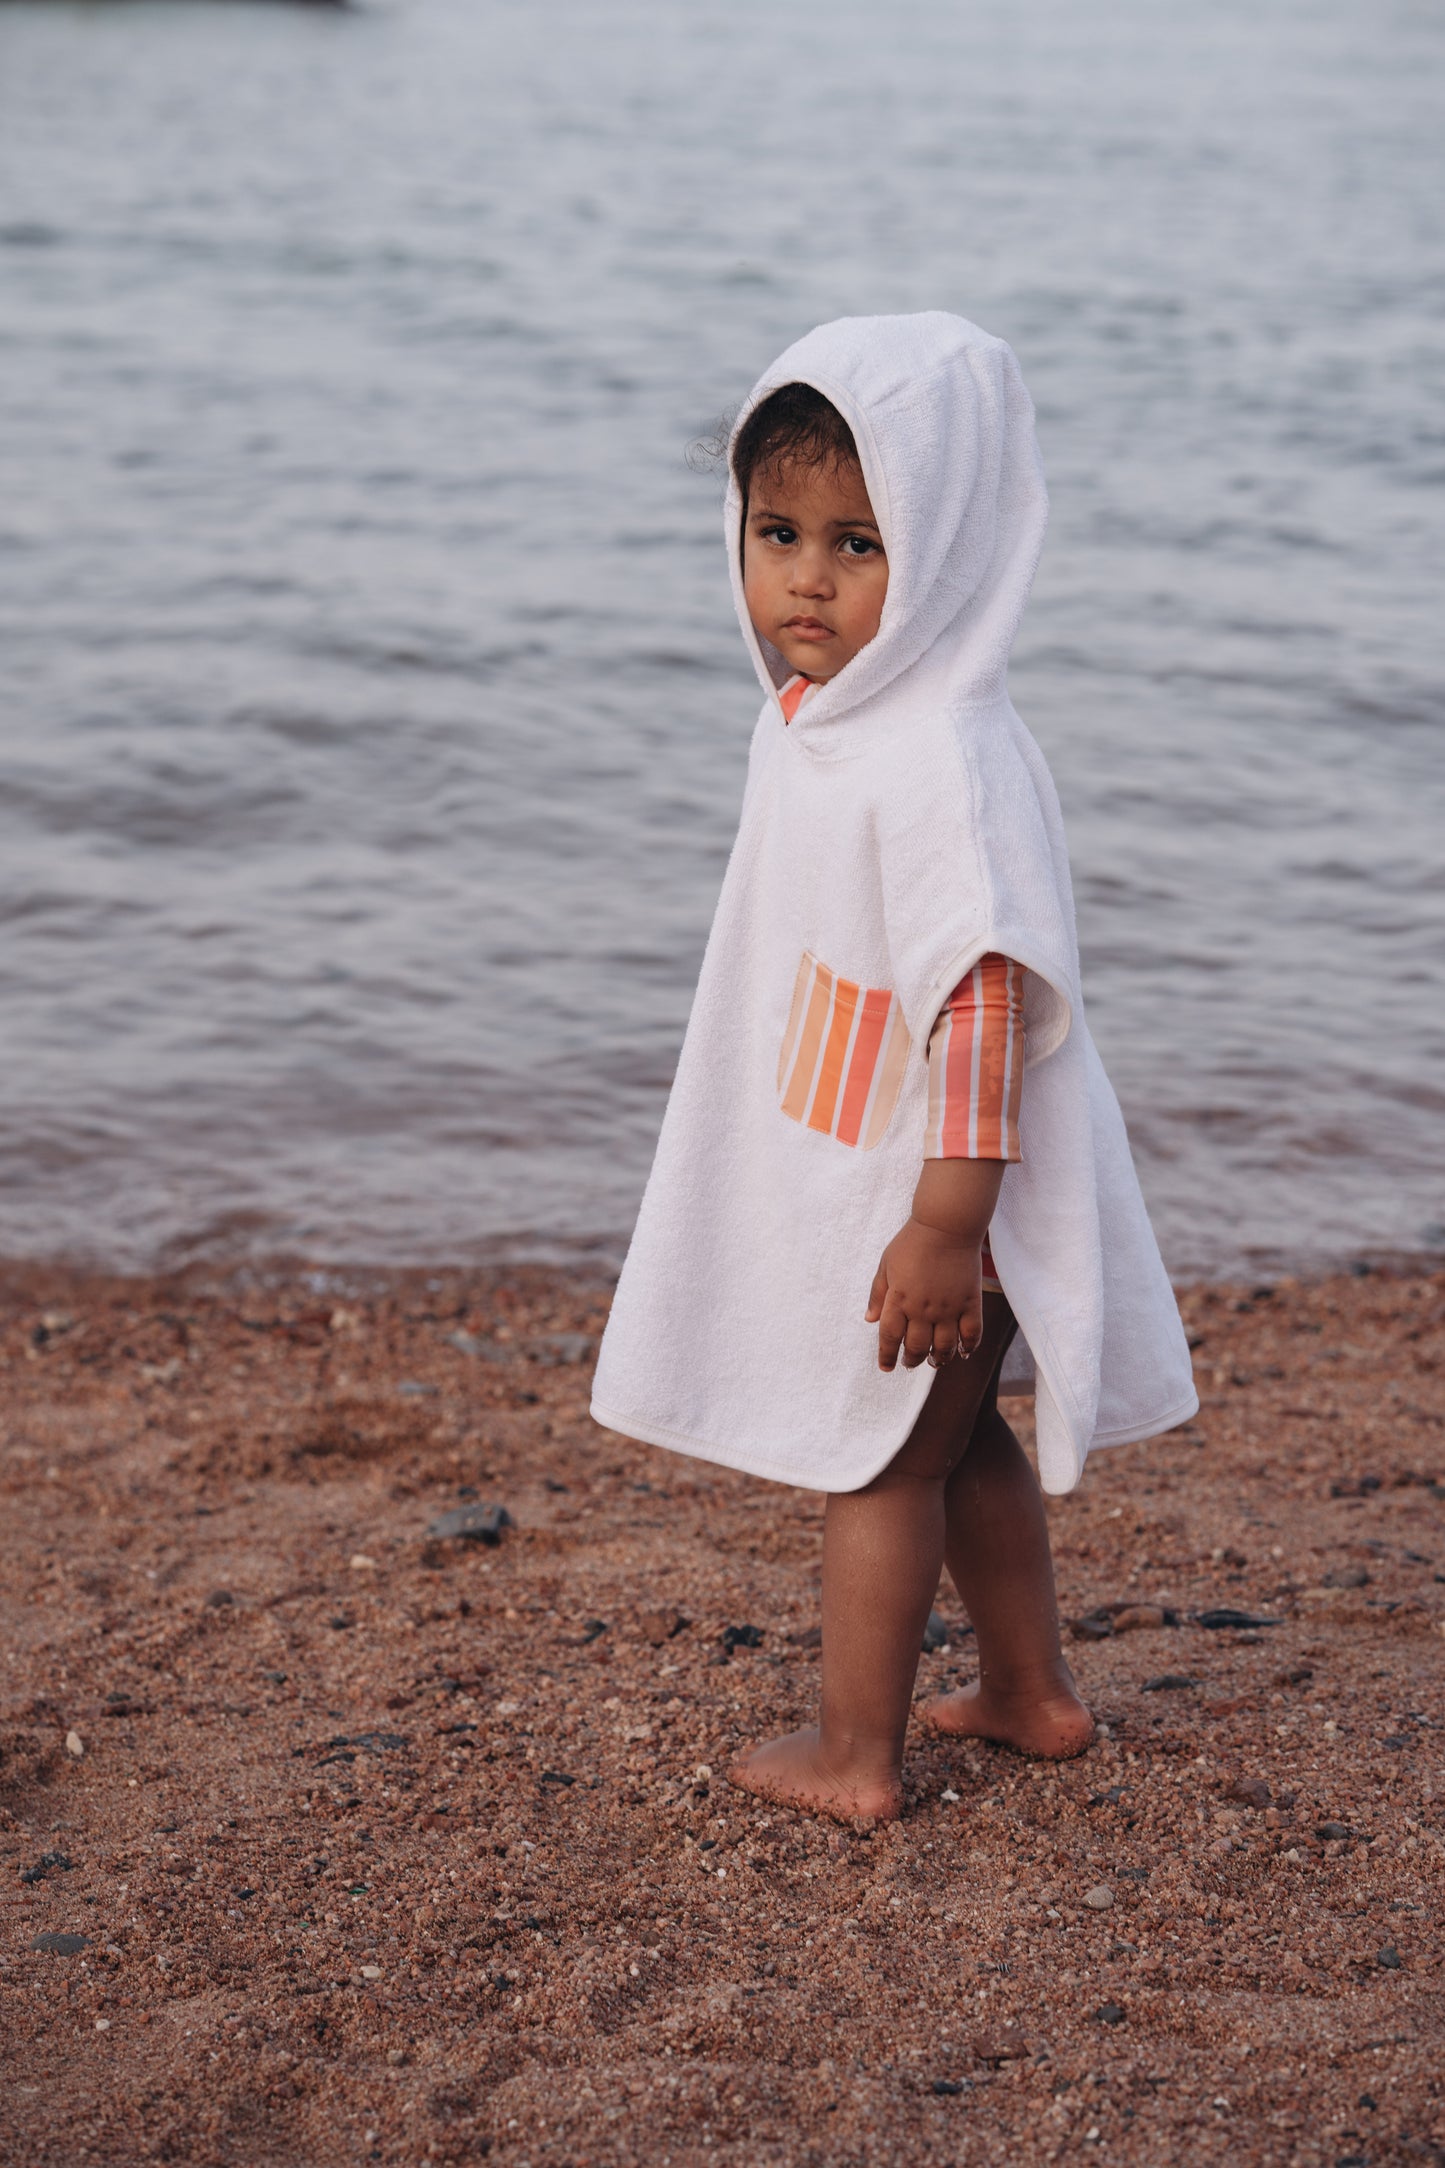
(883, 1549)
(997, 1547)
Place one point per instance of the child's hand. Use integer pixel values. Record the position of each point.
(927, 1297)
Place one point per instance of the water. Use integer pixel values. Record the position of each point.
(372, 719)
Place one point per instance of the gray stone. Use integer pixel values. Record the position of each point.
(563, 1347)
(474, 1524)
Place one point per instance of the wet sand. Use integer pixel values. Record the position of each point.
(393, 1847)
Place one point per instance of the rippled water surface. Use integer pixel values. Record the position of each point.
(372, 718)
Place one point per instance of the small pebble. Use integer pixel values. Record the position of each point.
(74, 1744)
(1100, 1898)
(474, 1524)
(1008, 2046)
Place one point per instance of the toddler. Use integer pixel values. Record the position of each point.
(887, 1060)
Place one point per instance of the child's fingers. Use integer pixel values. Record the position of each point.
(917, 1341)
(893, 1324)
(970, 1326)
(945, 1345)
(876, 1295)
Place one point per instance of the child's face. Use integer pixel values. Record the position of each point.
(814, 572)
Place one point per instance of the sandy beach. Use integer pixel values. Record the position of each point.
(328, 1839)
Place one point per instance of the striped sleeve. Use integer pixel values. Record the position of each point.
(976, 1065)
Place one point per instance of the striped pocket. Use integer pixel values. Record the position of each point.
(843, 1056)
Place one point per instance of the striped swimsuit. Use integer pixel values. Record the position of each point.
(975, 1053)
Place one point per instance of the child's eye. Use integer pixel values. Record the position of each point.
(785, 535)
(860, 545)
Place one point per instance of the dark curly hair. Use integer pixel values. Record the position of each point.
(794, 422)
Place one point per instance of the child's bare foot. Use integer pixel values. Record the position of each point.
(1055, 1724)
(795, 1772)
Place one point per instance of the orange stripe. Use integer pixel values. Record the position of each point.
(800, 1083)
(938, 1044)
(795, 1014)
(993, 1063)
(860, 1068)
(1012, 1148)
(830, 1076)
(890, 1079)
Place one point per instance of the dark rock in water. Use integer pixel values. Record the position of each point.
(475, 1524)
(742, 1637)
(935, 1634)
(1214, 1620)
(1109, 2013)
(61, 1945)
(1168, 1682)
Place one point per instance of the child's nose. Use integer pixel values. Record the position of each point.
(812, 573)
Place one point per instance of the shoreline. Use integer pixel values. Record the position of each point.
(373, 1829)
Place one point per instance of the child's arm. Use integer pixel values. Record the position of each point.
(927, 1298)
(926, 1292)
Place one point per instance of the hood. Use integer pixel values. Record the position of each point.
(945, 432)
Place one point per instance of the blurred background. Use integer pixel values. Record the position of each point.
(372, 715)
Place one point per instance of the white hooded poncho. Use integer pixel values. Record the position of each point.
(903, 826)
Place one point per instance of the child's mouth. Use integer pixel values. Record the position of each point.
(808, 628)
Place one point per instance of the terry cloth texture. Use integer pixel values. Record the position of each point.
(903, 826)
